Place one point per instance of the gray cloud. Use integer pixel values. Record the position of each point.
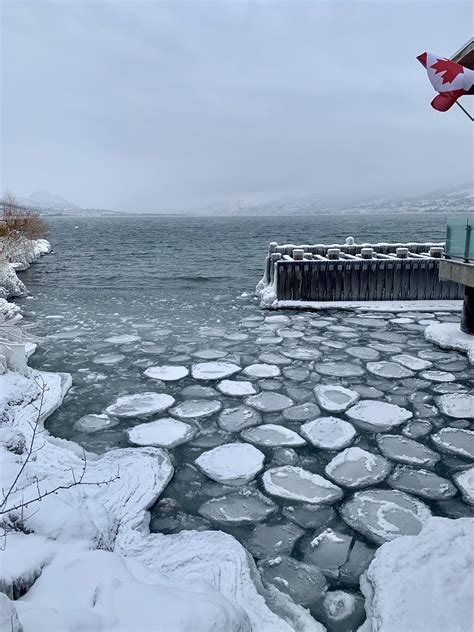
(147, 106)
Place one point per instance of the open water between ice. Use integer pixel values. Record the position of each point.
(311, 437)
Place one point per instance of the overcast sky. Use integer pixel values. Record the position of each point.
(156, 106)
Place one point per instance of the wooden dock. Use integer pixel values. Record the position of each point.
(356, 272)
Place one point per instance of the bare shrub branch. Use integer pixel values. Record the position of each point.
(41, 494)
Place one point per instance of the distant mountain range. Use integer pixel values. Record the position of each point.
(458, 199)
(450, 200)
(50, 204)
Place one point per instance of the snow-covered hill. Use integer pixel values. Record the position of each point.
(50, 204)
(450, 200)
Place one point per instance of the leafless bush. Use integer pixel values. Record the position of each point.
(18, 225)
(16, 509)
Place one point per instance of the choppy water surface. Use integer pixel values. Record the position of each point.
(184, 286)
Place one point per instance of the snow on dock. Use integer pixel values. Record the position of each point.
(344, 273)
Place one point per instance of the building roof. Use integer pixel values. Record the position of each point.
(465, 57)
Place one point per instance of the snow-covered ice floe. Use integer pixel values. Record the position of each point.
(232, 464)
(272, 435)
(382, 515)
(354, 468)
(213, 370)
(378, 416)
(88, 561)
(329, 433)
(334, 398)
(140, 405)
(164, 433)
(457, 405)
(296, 483)
(423, 582)
(167, 373)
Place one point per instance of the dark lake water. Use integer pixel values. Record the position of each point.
(167, 255)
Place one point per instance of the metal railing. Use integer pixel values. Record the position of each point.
(459, 239)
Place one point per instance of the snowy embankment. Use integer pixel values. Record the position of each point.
(24, 254)
(423, 583)
(84, 559)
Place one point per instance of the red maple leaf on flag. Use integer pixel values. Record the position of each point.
(450, 68)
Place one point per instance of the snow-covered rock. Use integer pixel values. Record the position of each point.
(334, 398)
(26, 253)
(354, 468)
(296, 483)
(423, 582)
(167, 373)
(329, 433)
(378, 416)
(140, 405)
(382, 515)
(232, 463)
(163, 433)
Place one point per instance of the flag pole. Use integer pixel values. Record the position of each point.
(465, 111)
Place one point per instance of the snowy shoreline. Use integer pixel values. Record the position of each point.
(89, 561)
(27, 253)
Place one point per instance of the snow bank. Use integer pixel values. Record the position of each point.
(450, 336)
(26, 253)
(423, 582)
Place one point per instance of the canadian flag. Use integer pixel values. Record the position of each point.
(451, 80)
